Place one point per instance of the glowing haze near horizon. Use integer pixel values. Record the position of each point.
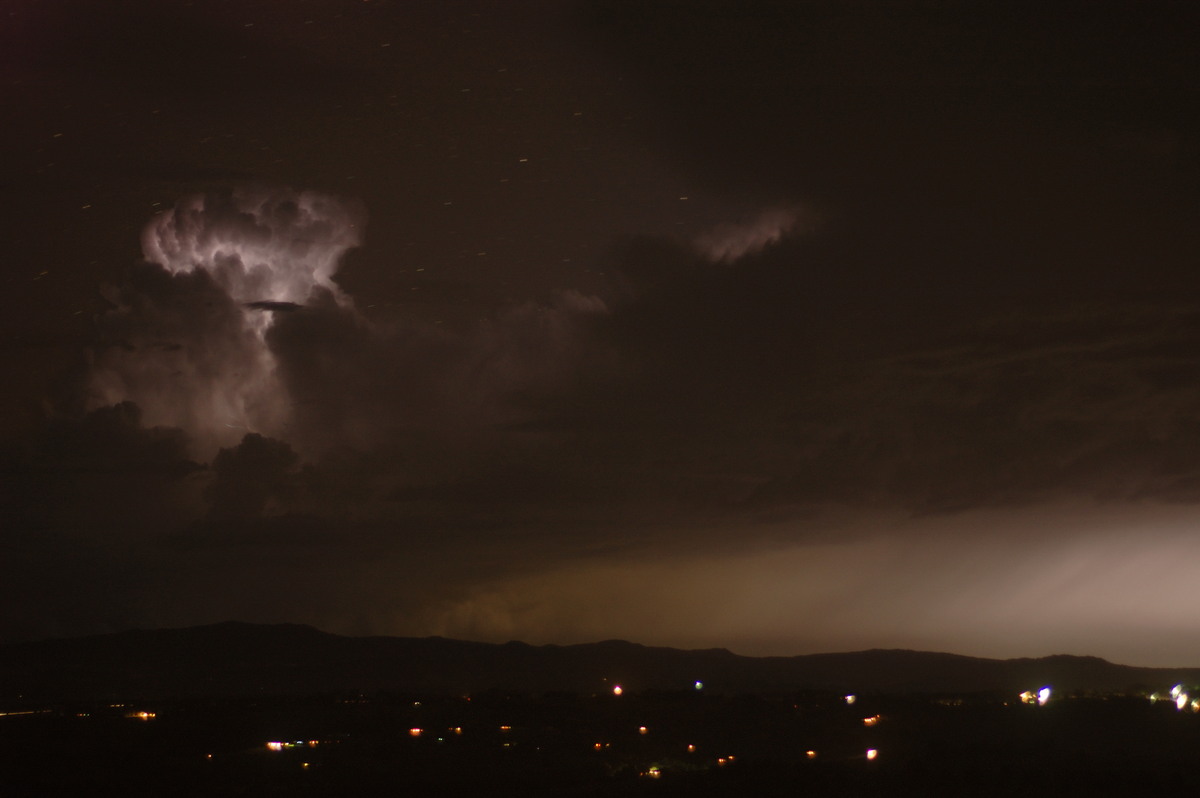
(793, 328)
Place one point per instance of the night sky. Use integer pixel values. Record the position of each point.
(786, 327)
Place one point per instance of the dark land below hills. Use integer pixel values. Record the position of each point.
(239, 709)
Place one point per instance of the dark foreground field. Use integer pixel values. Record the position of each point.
(666, 743)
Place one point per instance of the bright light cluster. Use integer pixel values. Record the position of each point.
(279, 745)
(1041, 697)
(1181, 698)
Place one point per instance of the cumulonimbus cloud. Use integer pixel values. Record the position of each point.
(260, 245)
(186, 339)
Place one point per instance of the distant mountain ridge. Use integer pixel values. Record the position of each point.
(234, 658)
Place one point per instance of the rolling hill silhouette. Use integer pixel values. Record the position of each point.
(231, 659)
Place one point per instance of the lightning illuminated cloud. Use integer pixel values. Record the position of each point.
(186, 339)
(258, 245)
(729, 242)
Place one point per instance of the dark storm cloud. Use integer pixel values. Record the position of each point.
(710, 386)
(996, 185)
(739, 387)
(735, 389)
(351, 385)
(189, 345)
(103, 467)
(675, 316)
(81, 499)
(1101, 401)
(248, 477)
(702, 391)
(475, 407)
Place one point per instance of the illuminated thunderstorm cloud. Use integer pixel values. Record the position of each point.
(259, 246)
(729, 242)
(186, 339)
